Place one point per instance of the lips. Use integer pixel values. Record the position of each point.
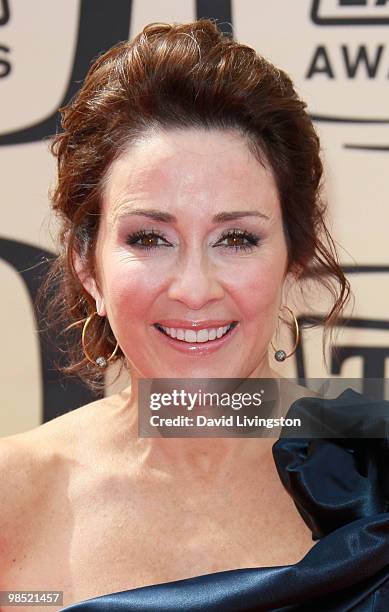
(201, 346)
(196, 325)
(196, 334)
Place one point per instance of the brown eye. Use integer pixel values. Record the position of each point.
(238, 240)
(235, 240)
(147, 240)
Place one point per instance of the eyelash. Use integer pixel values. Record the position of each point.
(252, 239)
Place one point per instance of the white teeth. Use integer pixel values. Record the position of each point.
(212, 334)
(190, 335)
(219, 332)
(203, 335)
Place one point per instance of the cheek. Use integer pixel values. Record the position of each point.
(257, 291)
(129, 290)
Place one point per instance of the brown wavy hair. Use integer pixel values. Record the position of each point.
(181, 76)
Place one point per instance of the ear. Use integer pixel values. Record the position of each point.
(89, 284)
(290, 280)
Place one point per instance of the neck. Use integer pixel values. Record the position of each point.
(203, 459)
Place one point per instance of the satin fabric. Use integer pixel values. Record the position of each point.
(340, 487)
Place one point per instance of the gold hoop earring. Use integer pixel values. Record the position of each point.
(100, 361)
(280, 354)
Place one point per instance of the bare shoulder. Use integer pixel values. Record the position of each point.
(35, 464)
(19, 464)
(23, 468)
(44, 446)
(62, 433)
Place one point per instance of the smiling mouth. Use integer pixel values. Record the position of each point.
(192, 337)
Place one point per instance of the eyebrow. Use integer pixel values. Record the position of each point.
(157, 215)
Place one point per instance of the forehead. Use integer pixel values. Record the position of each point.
(202, 167)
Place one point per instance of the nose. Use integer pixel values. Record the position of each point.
(195, 282)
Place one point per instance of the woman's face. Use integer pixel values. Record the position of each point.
(191, 237)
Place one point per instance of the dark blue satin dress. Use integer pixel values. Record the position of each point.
(340, 487)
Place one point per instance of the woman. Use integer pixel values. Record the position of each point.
(188, 193)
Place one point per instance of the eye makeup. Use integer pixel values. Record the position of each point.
(239, 240)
